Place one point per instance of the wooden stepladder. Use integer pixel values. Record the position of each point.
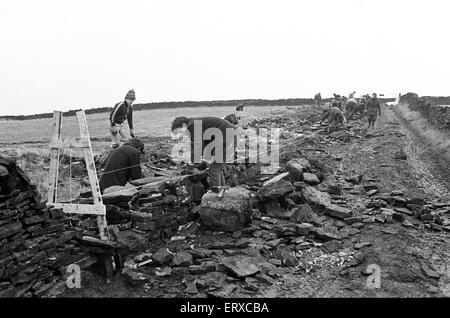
(84, 143)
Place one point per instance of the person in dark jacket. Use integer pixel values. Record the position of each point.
(122, 111)
(196, 128)
(123, 165)
(373, 108)
(334, 117)
(357, 107)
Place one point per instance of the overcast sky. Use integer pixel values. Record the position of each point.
(82, 54)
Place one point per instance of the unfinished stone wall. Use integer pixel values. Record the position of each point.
(437, 115)
(36, 244)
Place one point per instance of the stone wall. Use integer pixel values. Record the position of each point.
(36, 243)
(437, 115)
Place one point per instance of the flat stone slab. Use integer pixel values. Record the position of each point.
(275, 190)
(310, 178)
(316, 199)
(337, 211)
(241, 267)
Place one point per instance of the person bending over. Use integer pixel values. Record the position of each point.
(123, 165)
(217, 160)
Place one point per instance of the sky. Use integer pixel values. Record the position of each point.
(61, 55)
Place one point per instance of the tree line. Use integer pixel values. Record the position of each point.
(162, 105)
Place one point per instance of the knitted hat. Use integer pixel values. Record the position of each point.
(131, 95)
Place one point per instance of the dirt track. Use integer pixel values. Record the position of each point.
(401, 254)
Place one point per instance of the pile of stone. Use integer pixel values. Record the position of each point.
(36, 243)
(398, 207)
(292, 196)
(256, 237)
(153, 207)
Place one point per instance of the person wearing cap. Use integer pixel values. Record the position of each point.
(123, 165)
(122, 111)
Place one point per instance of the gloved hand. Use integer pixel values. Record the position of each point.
(132, 133)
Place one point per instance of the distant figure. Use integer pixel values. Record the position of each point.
(217, 160)
(373, 108)
(240, 107)
(123, 165)
(318, 99)
(122, 111)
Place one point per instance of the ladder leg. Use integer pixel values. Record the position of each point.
(52, 193)
(93, 179)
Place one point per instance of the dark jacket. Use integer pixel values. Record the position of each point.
(210, 122)
(122, 166)
(373, 107)
(121, 112)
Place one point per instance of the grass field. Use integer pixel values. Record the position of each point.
(27, 141)
(147, 123)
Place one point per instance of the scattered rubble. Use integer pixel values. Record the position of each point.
(297, 222)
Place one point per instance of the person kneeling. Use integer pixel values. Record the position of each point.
(123, 165)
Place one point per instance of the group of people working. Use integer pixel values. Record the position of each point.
(342, 109)
(123, 163)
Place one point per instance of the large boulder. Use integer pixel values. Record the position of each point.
(228, 213)
(296, 167)
(316, 199)
(275, 190)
